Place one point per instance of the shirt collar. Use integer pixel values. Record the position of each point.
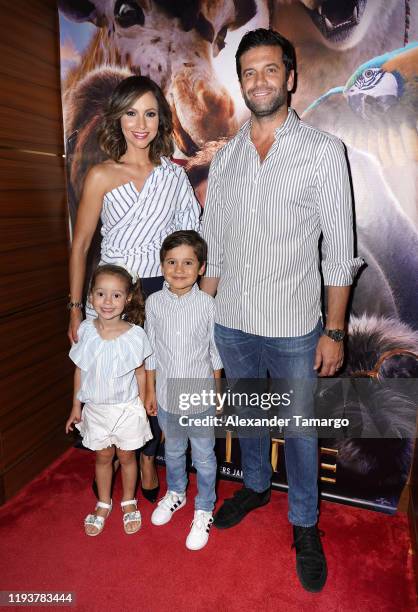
(290, 124)
(190, 295)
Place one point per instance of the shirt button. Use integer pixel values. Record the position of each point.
(245, 293)
(178, 333)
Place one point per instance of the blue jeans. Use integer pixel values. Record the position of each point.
(202, 441)
(247, 356)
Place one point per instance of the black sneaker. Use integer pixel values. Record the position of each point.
(234, 509)
(311, 565)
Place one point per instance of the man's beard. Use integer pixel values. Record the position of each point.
(264, 109)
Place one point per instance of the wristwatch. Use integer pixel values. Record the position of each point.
(337, 335)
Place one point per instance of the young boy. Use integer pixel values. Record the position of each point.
(179, 324)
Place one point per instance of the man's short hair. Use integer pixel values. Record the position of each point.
(262, 38)
(188, 237)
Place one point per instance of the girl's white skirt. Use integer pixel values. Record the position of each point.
(125, 425)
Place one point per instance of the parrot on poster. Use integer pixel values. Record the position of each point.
(384, 82)
(376, 111)
(379, 84)
(375, 115)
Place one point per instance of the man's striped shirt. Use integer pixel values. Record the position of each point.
(263, 222)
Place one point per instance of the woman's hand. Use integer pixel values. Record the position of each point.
(76, 317)
(75, 417)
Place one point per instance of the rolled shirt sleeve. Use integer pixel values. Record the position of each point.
(213, 223)
(339, 266)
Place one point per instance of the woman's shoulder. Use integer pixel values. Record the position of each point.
(105, 175)
(102, 169)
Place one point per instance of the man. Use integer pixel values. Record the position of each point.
(273, 190)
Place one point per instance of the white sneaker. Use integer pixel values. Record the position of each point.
(199, 533)
(167, 506)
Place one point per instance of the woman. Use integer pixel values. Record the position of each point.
(141, 197)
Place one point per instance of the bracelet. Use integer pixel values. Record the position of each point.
(71, 305)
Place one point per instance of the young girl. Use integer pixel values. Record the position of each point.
(110, 381)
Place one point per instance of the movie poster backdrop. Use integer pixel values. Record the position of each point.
(357, 78)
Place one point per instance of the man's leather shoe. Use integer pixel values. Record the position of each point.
(234, 509)
(311, 565)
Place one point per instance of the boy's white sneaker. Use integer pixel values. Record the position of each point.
(167, 506)
(199, 533)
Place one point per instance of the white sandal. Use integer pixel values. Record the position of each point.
(131, 517)
(97, 521)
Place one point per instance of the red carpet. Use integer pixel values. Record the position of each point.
(249, 567)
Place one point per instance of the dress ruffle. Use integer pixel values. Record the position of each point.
(133, 348)
(127, 351)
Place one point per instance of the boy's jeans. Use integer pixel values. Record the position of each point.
(202, 440)
(247, 356)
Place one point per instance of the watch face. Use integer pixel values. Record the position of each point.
(336, 334)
